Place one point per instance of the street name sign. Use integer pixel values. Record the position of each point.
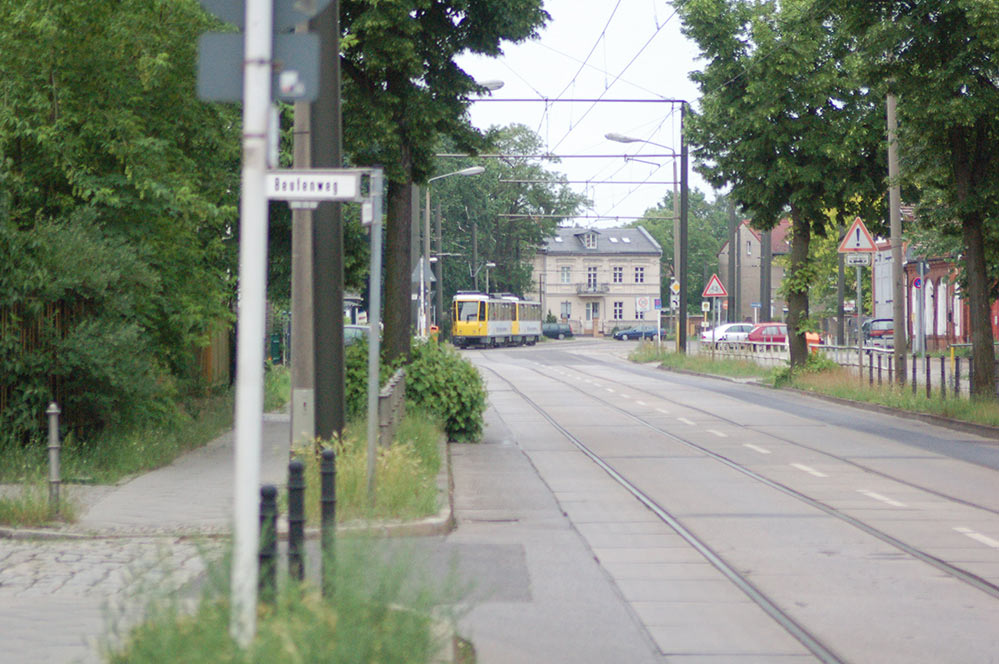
(857, 239)
(314, 185)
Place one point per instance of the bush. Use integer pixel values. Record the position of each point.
(442, 383)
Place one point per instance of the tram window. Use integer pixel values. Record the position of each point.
(468, 311)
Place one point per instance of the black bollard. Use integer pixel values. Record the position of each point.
(913, 374)
(943, 377)
(870, 369)
(926, 362)
(327, 504)
(267, 558)
(879, 369)
(957, 376)
(296, 520)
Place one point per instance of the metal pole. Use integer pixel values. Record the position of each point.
(439, 271)
(267, 581)
(249, 406)
(54, 449)
(424, 264)
(374, 318)
(682, 332)
(860, 337)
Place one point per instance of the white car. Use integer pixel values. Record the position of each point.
(727, 332)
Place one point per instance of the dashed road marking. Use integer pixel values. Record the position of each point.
(809, 470)
(718, 433)
(685, 421)
(640, 403)
(756, 448)
(882, 498)
(662, 410)
(978, 537)
(609, 390)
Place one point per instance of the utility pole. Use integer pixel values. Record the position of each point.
(439, 270)
(766, 258)
(327, 283)
(895, 219)
(682, 332)
(733, 249)
(303, 404)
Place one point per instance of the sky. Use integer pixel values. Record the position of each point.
(626, 50)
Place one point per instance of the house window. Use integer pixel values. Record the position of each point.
(590, 241)
(640, 315)
(592, 310)
(619, 311)
(566, 310)
(591, 277)
(749, 248)
(566, 274)
(639, 275)
(618, 275)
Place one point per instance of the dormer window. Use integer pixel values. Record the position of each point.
(590, 240)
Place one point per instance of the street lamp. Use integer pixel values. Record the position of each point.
(424, 326)
(487, 266)
(679, 223)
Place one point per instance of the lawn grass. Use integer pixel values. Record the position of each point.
(706, 364)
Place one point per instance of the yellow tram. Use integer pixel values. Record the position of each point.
(480, 319)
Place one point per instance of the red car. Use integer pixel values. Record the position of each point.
(767, 333)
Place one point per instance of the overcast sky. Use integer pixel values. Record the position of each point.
(633, 50)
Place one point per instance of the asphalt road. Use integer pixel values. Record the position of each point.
(753, 525)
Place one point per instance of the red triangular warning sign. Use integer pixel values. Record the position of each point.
(857, 239)
(714, 288)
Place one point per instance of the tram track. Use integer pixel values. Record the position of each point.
(768, 605)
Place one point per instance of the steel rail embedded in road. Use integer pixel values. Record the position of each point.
(802, 635)
(972, 580)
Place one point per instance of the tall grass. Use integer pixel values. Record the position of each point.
(405, 473)
(719, 366)
(841, 383)
(28, 507)
(382, 608)
(277, 387)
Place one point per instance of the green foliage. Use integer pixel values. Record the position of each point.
(441, 382)
(277, 387)
(28, 507)
(816, 363)
(356, 378)
(117, 198)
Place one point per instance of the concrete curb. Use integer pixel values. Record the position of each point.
(983, 430)
(439, 524)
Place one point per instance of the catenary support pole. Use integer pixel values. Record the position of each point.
(374, 318)
(251, 318)
(682, 332)
(895, 221)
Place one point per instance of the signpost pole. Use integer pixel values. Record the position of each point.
(860, 336)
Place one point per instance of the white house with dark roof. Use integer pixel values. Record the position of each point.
(597, 279)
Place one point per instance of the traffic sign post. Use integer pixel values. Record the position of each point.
(714, 288)
(858, 246)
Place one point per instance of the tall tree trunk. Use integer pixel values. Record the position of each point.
(964, 153)
(398, 270)
(797, 297)
(982, 351)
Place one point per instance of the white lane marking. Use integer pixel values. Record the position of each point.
(662, 410)
(640, 403)
(756, 448)
(809, 470)
(685, 421)
(609, 390)
(978, 537)
(883, 499)
(718, 433)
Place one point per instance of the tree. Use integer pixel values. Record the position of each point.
(402, 90)
(117, 203)
(940, 60)
(785, 123)
(707, 231)
(471, 209)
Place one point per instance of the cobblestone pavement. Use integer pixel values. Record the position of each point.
(59, 598)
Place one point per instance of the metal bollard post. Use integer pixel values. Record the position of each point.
(943, 378)
(54, 450)
(913, 374)
(267, 557)
(926, 363)
(870, 370)
(296, 519)
(327, 504)
(879, 370)
(957, 376)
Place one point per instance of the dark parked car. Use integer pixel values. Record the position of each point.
(638, 332)
(556, 330)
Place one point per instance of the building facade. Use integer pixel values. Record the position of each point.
(746, 282)
(599, 279)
